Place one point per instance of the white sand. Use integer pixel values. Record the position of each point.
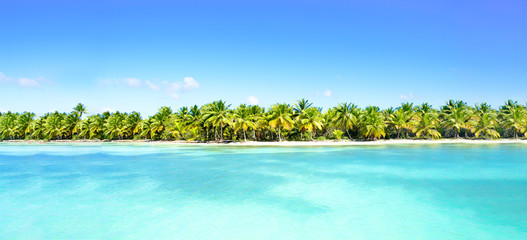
(294, 143)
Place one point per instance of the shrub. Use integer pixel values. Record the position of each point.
(338, 134)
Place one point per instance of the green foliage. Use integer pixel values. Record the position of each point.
(301, 121)
(338, 134)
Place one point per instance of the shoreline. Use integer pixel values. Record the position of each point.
(284, 143)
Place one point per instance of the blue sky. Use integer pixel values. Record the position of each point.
(140, 55)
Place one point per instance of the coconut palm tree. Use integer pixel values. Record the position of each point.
(218, 115)
(8, 127)
(347, 117)
(80, 109)
(280, 117)
(53, 126)
(514, 119)
(372, 123)
(457, 116)
(189, 123)
(300, 106)
(144, 129)
(403, 119)
(243, 120)
(486, 122)
(258, 114)
(36, 129)
(83, 131)
(97, 125)
(427, 125)
(311, 120)
(158, 124)
(131, 123)
(69, 124)
(23, 122)
(114, 126)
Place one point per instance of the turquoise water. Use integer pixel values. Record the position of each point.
(139, 191)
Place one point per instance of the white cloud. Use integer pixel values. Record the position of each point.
(172, 89)
(22, 81)
(152, 86)
(28, 82)
(253, 100)
(327, 93)
(190, 83)
(2, 110)
(133, 82)
(4, 78)
(406, 97)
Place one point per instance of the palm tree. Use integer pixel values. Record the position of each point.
(8, 127)
(487, 122)
(403, 119)
(131, 124)
(311, 120)
(243, 120)
(36, 129)
(514, 118)
(158, 124)
(509, 104)
(53, 126)
(23, 122)
(300, 106)
(69, 124)
(144, 129)
(347, 116)
(80, 109)
(183, 114)
(372, 123)
(83, 130)
(189, 123)
(218, 115)
(457, 116)
(280, 117)
(258, 114)
(427, 125)
(114, 126)
(97, 125)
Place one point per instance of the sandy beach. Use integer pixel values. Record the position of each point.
(286, 143)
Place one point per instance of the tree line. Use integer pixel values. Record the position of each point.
(217, 121)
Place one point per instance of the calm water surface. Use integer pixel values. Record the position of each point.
(140, 191)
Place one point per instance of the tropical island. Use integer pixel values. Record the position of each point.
(218, 122)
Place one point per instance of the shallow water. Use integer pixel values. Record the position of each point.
(141, 191)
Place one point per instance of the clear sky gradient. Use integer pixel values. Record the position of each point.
(140, 55)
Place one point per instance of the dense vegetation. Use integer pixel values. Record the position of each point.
(301, 121)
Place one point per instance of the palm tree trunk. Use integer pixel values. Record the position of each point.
(244, 137)
(221, 132)
(279, 135)
(348, 132)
